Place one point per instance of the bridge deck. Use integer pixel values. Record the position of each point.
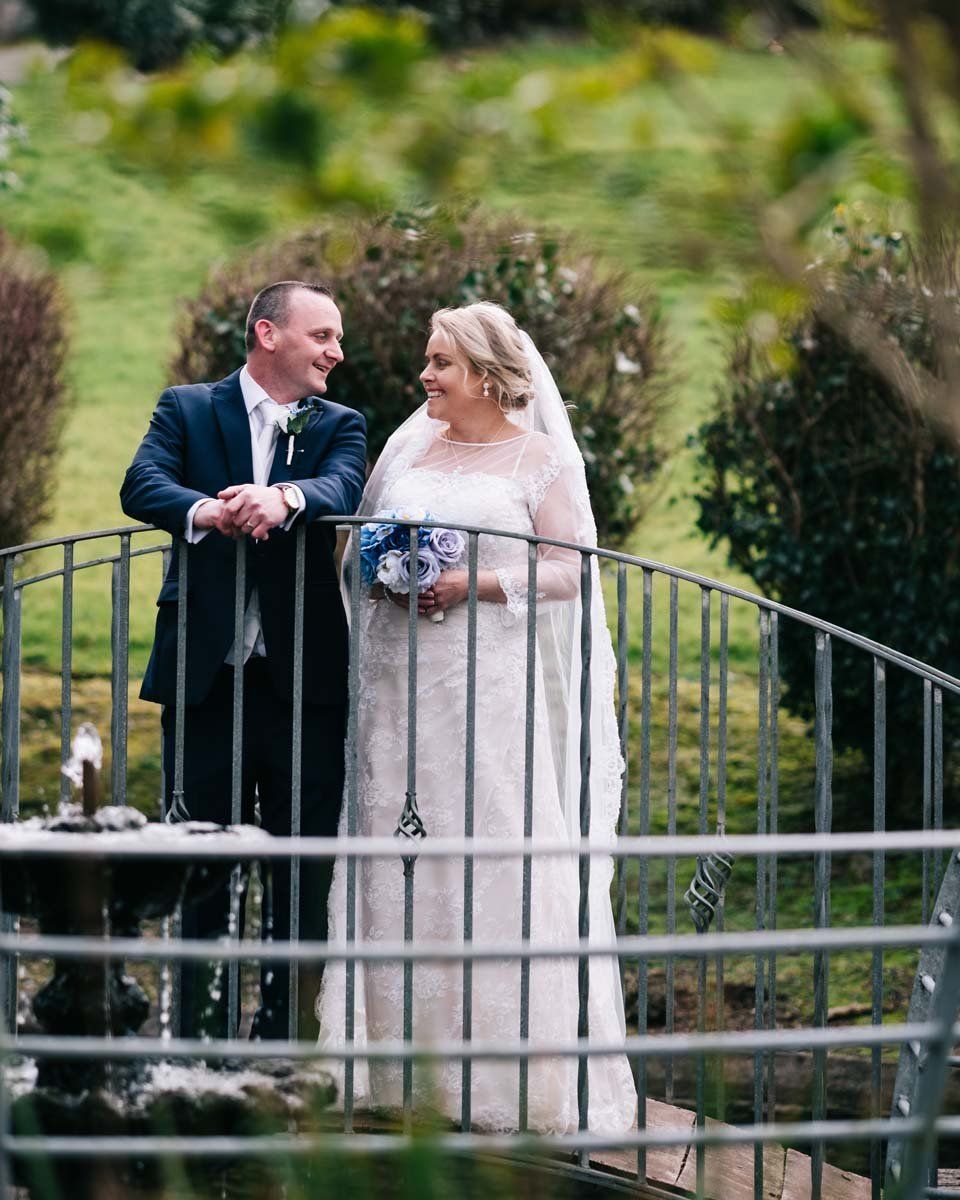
(729, 1169)
(673, 1169)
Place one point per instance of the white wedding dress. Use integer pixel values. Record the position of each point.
(520, 485)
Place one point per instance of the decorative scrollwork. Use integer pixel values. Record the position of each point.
(411, 826)
(177, 812)
(706, 888)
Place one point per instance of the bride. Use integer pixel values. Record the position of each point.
(491, 447)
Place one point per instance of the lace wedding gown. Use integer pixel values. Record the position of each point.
(514, 485)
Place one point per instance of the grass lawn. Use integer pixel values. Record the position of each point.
(129, 246)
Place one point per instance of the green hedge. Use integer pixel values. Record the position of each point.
(455, 22)
(837, 496)
(157, 33)
(33, 347)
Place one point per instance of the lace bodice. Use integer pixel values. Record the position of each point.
(518, 485)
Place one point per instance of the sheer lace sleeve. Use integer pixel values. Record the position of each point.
(550, 500)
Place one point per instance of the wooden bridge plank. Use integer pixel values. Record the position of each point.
(729, 1170)
(837, 1184)
(664, 1163)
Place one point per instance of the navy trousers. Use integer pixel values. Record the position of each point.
(267, 763)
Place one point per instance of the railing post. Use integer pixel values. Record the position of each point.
(922, 1070)
(670, 970)
(772, 866)
(178, 810)
(527, 879)
(352, 765)
(66, 666)
(643, 881)
(470, 751)
(296, 771)
(702, 828)
(926, 892)
(763, 768)
(823, 737)
(236, 782)
(119, 666)
(10, 772)
(411, 827)
(879, 865)
(623, 722)
(10, 705)
(721, 1018)
(583, 965)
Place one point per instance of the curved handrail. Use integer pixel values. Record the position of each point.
(820, 941)
(868, 645)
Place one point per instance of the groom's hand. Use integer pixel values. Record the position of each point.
(253, 509)
(212, 514)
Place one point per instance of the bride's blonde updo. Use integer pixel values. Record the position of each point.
(486, 337)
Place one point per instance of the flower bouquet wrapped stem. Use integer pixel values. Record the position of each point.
(385, 553)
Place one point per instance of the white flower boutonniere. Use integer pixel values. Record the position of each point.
(297, 422)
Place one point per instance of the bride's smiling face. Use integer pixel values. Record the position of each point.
(452, 387)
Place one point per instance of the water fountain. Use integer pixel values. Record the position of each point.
(94, 897)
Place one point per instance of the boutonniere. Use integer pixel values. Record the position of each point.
(297, 422)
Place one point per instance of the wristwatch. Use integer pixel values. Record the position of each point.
(291, 497)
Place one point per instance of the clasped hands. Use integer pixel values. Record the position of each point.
(243, 509)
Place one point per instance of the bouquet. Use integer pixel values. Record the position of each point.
(385, 552)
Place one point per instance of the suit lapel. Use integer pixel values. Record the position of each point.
(234, 424)
(279, 471)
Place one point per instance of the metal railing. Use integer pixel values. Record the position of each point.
(688, 763)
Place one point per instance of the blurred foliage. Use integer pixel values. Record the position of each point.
(458, 22)
(814, 137)
(720, 16)
(12, 133)
(356, 109)
(157, 33)
(312, 103)
(837, 495)
(601, 337)
(33, 345)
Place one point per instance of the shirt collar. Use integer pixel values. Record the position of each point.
(253, 393)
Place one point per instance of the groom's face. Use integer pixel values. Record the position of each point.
(307, 344)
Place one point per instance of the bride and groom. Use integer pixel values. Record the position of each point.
(492, 446)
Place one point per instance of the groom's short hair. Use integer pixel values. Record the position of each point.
(272, 303)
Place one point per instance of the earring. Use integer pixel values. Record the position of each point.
(486, 390)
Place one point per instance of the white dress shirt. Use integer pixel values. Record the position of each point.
(253, 394)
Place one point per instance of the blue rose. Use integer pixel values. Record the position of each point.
(374, 543)
(428, 570)
(447, 545)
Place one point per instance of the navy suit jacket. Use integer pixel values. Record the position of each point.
(199, 443)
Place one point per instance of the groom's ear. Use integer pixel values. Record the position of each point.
(266, 333)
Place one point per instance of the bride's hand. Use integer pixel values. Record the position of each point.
(450, 589)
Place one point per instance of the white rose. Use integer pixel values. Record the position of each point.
(389, 572)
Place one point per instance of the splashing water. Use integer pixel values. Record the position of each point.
(166, 986)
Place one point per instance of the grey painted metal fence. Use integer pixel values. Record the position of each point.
(687, 762)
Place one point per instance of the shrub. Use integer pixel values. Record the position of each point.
(157, 33)
(455, 22)
(32, 352)
(717, 16)
(837, 496)
(601, 339)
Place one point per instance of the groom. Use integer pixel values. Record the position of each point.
(217, 467)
